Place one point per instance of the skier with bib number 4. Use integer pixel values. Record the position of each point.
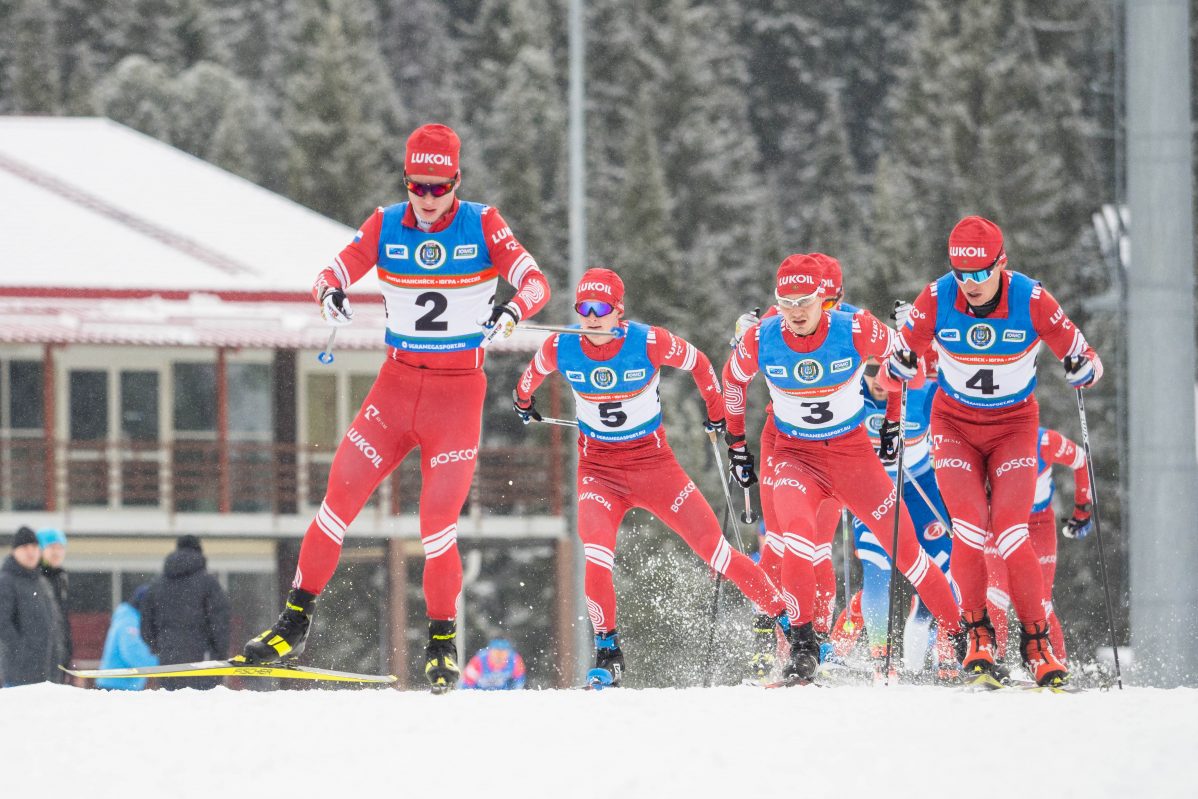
(624, 460)
(987, 323)
(812, 360)
(438, 261)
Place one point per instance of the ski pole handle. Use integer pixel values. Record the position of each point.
(326, 355)
(616, 333)
(719, 465)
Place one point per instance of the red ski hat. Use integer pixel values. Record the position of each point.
(433, 150)
(975, 243)
(603, 285)
(800, 274)
(833, 281)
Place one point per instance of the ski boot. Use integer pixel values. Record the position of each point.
(609, 662)
(1038, 658)
(877, 654)
(441, 656)
(804, 654)
(289, 635)
(975, 644)
(765, 645)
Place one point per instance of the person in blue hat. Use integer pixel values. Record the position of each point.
(124, 647)
(54, 553)
(495, 667)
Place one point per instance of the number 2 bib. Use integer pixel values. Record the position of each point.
(436, 286)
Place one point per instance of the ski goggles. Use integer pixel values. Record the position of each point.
(594, 308)
(830, 303)
(978, 275)
(435, 189)
(797, 302)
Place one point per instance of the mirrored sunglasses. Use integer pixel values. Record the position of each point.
(798, 302)
(976, 276)
(435, 189)
(594, 308)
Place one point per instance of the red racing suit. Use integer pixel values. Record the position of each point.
(822, 452)
(1053, 448)
(423, 397)
(615, 394)
(985, 421)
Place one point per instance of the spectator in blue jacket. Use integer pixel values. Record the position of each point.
(124, 647)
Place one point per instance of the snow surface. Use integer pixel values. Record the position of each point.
(615, 744)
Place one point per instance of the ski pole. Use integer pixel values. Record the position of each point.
(724, 477)
(848, 549)
(577, 331)
(708, 666)
(948, 528)
(326, 355)
(750, 515)
(558, 422)
(1106, 587)
(898, 506)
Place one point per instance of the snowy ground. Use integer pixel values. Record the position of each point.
(726, 742)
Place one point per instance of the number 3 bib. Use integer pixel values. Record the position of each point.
(817, 395)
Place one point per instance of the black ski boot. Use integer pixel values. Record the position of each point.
(765, 645)
(289, 635)
(609, 662)
(441, 656)
(804, 654)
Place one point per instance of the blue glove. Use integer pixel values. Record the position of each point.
(1081, 524)
(902, 365)
(1079, 371)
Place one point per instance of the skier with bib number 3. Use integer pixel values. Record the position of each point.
(987, 323)
(624, 460)
(812, 360)
(438, 261)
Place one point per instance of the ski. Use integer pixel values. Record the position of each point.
(985, 682)
(233, 668)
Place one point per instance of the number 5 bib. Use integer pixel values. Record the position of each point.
(817, 395)
(616, 399)
(436, 286)
(990, 362)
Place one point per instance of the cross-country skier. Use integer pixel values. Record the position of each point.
(438, 260)
(933, 538)
(1053, 448)
(495, 667)
(987, 323)
(827, 517)
(624, 460)
(812, 360)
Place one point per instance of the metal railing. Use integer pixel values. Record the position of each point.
(248, 477)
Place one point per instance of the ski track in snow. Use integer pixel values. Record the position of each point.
(727, 742)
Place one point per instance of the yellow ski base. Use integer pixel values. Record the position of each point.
(227, 668)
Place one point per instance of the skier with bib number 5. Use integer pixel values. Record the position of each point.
(438, 261)
(987, 323)
(624, 460)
